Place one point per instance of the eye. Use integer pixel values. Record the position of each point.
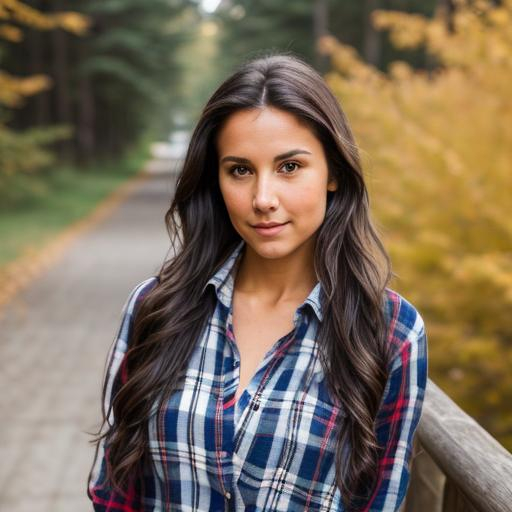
(235, 168)
(290, 171)
(239, 170)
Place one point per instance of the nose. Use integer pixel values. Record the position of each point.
(265, 196)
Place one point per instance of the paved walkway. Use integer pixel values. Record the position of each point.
(54, 339)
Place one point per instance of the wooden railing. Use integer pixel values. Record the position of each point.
(456, 466)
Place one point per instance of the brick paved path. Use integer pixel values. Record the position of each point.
(54, 339)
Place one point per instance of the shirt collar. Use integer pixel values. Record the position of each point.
(223, 281)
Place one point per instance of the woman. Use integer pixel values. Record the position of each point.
(267, 366)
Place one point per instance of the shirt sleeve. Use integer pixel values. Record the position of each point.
(103, 498)
(400, 408)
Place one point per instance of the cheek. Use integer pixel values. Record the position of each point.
(235, 199)
(308, 203)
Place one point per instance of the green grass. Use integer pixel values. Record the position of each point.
(57, 199)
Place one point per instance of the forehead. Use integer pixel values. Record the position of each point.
(264, 129)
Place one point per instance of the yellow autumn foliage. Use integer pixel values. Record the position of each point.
(437, 152)
(25, 152)
(10, 33)
(22, 13)
(13, 90)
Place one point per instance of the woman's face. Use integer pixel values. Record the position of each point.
(272, 169)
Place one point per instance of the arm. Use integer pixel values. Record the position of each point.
(400, 409)
(103, 498)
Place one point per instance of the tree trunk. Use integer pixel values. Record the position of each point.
(372, 45)
(35, 44)
(86, 113)
(61, 85)
(448, 6)
(320, 28)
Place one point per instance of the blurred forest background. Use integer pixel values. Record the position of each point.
(86, 86)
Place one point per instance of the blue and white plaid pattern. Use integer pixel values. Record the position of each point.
(274, 449)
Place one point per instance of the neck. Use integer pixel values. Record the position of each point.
(278, 280)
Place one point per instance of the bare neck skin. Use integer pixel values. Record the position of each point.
(267, 282)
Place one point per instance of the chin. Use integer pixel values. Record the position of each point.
(270, 249)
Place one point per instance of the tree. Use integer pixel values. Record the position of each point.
(110, 86)
(437, 154)
(26, 151)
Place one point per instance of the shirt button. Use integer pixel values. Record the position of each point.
(228, 495)
(235, 364)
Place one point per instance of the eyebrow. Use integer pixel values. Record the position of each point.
(288, 154)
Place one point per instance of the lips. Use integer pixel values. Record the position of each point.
(268, 224)
(269, 228)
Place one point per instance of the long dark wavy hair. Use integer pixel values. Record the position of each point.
(350, 262)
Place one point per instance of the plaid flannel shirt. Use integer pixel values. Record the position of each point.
(274, 448)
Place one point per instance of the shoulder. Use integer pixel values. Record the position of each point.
(138, 292)
(406, 327)
(122, 341)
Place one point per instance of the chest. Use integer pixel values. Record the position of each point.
(255, 332)
(198, 441)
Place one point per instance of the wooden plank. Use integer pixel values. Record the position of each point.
(468, 455)
(426, 486)
(454, 500)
